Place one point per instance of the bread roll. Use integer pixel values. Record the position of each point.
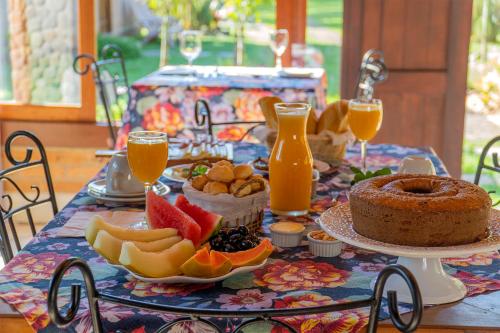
(242, 171)
(334, 118)
(312, 122)
(199, 182)
(267, 106)
(215, 188)
(236, 184)
(221, 173)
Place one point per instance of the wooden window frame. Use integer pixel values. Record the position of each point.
(85, 112)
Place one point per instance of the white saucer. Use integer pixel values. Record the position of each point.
(99, 187)
(97, 190)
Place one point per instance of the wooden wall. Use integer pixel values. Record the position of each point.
(426, 48)
(70, 149)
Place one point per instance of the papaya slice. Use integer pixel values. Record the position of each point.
(198, 265)
(252, 256)
(221, 265)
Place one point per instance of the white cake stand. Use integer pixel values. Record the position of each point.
(436, 286)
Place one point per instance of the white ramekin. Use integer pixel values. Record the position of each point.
(286, 239)
(324, 248)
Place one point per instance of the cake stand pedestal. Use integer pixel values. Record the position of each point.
(436, 286)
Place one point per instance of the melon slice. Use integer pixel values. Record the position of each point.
(156, 264)
(198, 265)
(252, 256)
(161, 214)
(108, 246)
(221, 265)
(210, 223)
(97, 223)
(158, 245)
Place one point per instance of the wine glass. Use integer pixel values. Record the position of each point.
(278, 43)
(147, 153)
(190, 41)
(365, 119)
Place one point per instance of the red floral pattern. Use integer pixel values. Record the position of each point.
(302, 274)
(28, 267)
(145, 289)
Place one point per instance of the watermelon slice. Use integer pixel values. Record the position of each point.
(161, 214)
(209, 222)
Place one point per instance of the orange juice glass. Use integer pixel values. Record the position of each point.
(147, 153)
(365, 119)
(291, 162)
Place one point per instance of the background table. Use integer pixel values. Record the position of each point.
(24, 281)
(165, 102)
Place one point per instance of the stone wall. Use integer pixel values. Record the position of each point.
(43, 45)
(19, 52)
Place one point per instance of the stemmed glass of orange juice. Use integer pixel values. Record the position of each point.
(365, 119)
(147, 153)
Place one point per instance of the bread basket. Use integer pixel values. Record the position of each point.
(327, 135)
(247, 210)
(327, 146)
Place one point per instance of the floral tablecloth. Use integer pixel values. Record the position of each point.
(291, 278)
(166, 102)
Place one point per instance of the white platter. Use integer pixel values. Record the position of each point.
(337, 222)
(195, 280)
(435, 284)
(171, 175)
(100, 194)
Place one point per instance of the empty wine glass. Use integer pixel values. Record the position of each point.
(190, 41)
(278, 43)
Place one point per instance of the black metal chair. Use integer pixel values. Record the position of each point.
(482, 164)
(203, 117)
(110, 77)
(7, 207)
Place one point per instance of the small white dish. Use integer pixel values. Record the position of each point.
(282, 237)
(324, 248)
(171, 173)
(417, 164)
(195, 280)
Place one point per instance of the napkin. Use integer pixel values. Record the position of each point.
(75, 226)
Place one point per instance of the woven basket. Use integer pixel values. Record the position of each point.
(327, 147)
(247, 211)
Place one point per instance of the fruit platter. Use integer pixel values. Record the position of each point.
(187, 240)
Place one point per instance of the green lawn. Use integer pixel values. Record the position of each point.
(470, 158)
(218, 49)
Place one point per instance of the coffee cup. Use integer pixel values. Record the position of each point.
(119, 177)
(417, 164)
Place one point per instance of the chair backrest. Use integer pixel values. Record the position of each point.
(110, 77)
(203, 117)
(29, 200)
(483, 164)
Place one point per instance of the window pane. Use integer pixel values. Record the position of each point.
(42, 40)
(324, 40)
(5, 79)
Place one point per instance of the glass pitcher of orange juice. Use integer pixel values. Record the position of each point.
(291, 162)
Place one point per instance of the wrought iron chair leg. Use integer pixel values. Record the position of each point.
(194, 313)
(62, 320)
(393, 302)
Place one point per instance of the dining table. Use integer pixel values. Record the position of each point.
(291, 278)
(164, 100)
